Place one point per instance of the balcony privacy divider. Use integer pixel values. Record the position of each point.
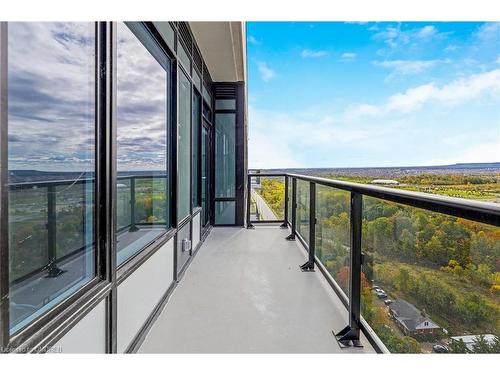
(251, 188)
(483, 212)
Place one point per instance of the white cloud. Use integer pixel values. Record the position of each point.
(452, 94)
(489, 32)
(450, 48)
(396, 37)
(348, 56)
(266, 73)
(427, 31)
(312, 53)
(406, 67)
(252, 40)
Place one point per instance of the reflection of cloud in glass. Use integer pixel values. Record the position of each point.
(51, 96)
(141, 100)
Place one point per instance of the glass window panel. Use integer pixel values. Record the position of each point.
(225, 213)
(225, 104)
(207, 96)
(142, 203)
(184, 57)
(196, 80)
(207, 113)
(51, 113)
(166, 32)
(196, 147)
(184, 148)
(225, 150)
(205, 168)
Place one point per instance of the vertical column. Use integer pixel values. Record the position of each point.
(309, 265)
(285, 219)
(52, 269)
(291, 236)
(4, 221)
(249, 201)
(133, 227)
(105, 181)
(349, 336)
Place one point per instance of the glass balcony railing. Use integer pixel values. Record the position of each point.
(418, 273)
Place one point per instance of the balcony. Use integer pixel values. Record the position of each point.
(252, 290)
(244, 293)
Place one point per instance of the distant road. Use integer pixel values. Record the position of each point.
(262, 207)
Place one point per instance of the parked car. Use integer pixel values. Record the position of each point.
(381, 295)
(438, 348)
(374, 287)
(388, 302)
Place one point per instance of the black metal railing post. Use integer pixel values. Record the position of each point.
(133, 227)
(285, 218)
(291, 236)
(349, 336)
(52, 269)
(309, 265)
(249, 200)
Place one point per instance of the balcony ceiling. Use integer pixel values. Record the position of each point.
(223, 47)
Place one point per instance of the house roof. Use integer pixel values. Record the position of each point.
(410, 316)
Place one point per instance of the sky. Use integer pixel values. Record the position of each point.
(373, 94)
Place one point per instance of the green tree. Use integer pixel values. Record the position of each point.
(481, 345)
(458, 347)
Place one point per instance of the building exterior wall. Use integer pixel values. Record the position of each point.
(113, 311)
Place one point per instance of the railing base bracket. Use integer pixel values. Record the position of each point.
(133, 229)
(284, 226)
(250, 226)
(290, 237)
(307, 267)
(348, 338)
(53, 271)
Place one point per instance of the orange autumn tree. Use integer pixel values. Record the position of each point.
(342, 278)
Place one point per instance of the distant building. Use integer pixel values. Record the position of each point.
(384, 182)
(470, 340)
(411, 320)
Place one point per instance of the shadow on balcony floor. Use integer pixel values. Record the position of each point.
(244, 293)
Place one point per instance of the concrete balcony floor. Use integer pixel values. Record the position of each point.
(244, 293)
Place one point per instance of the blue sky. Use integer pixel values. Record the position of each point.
(373, 94)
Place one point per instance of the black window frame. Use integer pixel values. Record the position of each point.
(51, 326)
(149, 37)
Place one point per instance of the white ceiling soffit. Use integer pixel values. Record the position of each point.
(223, 46)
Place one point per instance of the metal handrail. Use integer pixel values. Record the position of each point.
(484, 212)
